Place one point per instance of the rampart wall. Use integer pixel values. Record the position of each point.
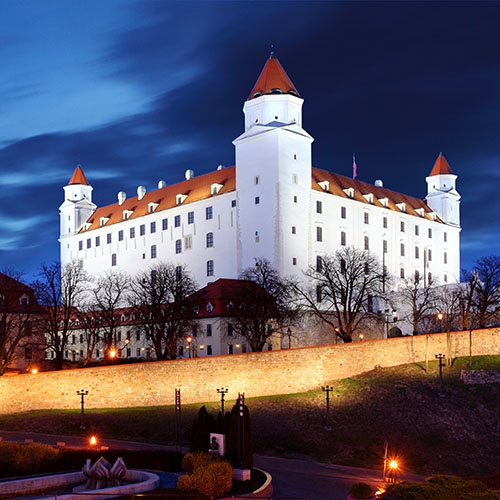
(256, 374)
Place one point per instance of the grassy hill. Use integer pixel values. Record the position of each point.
(457, 433)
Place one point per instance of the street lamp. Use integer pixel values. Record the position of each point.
(440, 317)
(327, 389)
(189, 340)
(440, 357)
(289, 333)
(82, 393)
(389, 320)
(222, 393)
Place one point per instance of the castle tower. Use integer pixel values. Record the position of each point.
(273, 175)
(442, 195)
(76, 208)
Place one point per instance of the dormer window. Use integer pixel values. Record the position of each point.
(324, 185)
(215, 188)
(152, 207)
(103, 221)
(180, 199)
(401, 206)
(349, 192)
(24, 300)
(420, 211)
(210, 307)
(369, 198)
(2, 300)
(384, 202)
(276, 91)
(123, 318)
(433, 215)
(257, 94)
(127, 214)
(87, 226)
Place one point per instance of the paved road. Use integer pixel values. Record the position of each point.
(292, 479)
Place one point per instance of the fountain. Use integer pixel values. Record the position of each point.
(100, 480)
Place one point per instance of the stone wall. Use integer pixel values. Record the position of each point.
(256, 374)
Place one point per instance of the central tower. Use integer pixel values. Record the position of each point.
(273, 175)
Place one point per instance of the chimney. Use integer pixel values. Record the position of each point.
(162, 184)
(141, 191)
(122, 196)
(189, 174)
(379, 183)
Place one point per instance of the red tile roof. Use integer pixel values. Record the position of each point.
(196, 189)
(441, 167)
(273, 80)
(78, 177)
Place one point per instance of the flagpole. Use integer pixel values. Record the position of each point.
(354, 166)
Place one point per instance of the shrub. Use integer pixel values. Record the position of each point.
(360, 491)
(23, 459)
(210, 475)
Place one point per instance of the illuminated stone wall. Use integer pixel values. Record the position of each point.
(255, 374)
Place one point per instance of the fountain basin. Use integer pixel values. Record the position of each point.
(136, 482)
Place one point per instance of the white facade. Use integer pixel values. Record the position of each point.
(271, 204)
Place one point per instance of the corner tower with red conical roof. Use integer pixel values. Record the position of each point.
(76, 208)
(273, 174)
(442, 195)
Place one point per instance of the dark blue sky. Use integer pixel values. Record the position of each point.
(138, 91)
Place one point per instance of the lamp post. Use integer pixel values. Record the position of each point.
(289, 333)
(189, 340)
(82, 394)
(440, 317)
(389, 320)
(222, 391)
(440, 357)
(327, 389)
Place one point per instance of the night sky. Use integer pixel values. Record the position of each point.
(138, 91)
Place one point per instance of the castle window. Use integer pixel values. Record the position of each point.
(367, 243)
(294, 230)
(402, 272)
(445, 278)
(445, 258)
(384, 246)
(210, 267)
(429, 232)
(210, 307)
(343, 238)
(152, 207)
(256, 180)
(445, 237)
(113, 259)
(132, 232)
(417, 276)
(80, 245)
(153, 251)
(417, 230)
(177, 221)
(294, 261)
(188, 242)
(319, 207)
(402, 250)
(343, 212)
(180, 198)
(190, 217)
(319, 233)
(215, 188)
(209, 350)
(97, 241)
(24, 300)
(178, 246)
(319, 293)
(319, 264)
(103, 221)
(233, 203)
(210, 240)
(295, 199)
(324, 185)
(152, 227)
(209, 329)
(417, 253)
(429, 254)
(164, 224)
(89, 243)
(209, 213)
(108, 238)
(120, 235)
(366, 218)
(257, 200)
(402, 226)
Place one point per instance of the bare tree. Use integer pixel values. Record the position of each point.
(264, 301)
(20, 319)
(421, 299)
(90, 327)
(486, 283)
(342, 290)
(110, 294)
(60, 290)
(160, 299)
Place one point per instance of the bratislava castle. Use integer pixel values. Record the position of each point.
(271, 204)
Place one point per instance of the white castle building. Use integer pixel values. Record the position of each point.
(271, 204)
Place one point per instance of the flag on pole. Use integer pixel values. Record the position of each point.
(354, 167)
